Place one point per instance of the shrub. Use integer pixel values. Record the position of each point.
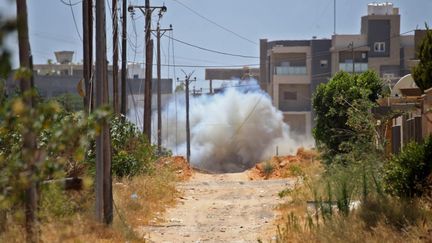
(268, 169)
(405, 174)
(131, 153)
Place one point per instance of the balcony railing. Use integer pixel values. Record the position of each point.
(287, 70)
(358, 67)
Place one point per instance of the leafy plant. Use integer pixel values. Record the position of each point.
(405, 174)
(131, 153)
(61, 140)
(343, 118)
(422, 72)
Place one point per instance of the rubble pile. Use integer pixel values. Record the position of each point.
(179, 164)
(282, 166)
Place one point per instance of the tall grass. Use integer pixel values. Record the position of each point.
(375, 216)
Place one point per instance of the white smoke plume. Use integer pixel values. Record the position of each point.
(230, 131)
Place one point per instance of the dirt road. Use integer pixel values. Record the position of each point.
(220, 208)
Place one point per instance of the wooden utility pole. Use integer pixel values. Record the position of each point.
(115, 70)
(159, 89)
(187, 81)
(159, 100)
(148, 73)
(104, 203)
(123, 108)
(148, 10)
(87, 51)
(211, 86)
(29, 138)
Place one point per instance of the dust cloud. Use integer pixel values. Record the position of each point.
(230, 131)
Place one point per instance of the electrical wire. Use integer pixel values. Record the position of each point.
(213, 22)
(210, 50)
(70, 4)
(74, 20)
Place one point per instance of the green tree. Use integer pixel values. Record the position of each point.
(342, 107)
(422, 72)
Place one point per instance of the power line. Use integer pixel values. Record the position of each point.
(210, 50)
(73, 16)
(218, 25)
(202, 66)
(70, 4)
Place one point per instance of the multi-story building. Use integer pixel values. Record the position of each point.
(290, 70)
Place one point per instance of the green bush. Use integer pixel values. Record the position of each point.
(60, 139)
(405, 174)
(131, 153)
(70, 102)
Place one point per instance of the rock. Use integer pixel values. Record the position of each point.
(283, 163)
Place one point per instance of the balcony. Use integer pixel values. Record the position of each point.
(359, 67)
(288, 70)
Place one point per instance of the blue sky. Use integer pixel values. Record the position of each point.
(52, 27)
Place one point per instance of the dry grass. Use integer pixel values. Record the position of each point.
(296, 225)
(138, 201)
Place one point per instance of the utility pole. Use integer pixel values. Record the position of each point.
(351, 45)
(123, 108)
(147, 11)
(334, 17)
(104, 203)
(87, 51)
(148, 73)
(187, 81)
(115, 58)
(29, 138)
(159, 100)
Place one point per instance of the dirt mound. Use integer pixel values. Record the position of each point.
(283, 166)
(179, 164)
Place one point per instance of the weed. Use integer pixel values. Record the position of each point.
(268, 169)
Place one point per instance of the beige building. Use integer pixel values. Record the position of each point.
(290, 70)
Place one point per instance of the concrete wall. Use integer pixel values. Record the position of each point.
(54, 85)
(294, 97)
(299, 122)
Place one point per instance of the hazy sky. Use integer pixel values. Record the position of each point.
(52, 27)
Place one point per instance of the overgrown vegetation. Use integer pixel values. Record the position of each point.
(360, 195)
(409, 174)
(64, 148)
(422, 72)
(342, 113)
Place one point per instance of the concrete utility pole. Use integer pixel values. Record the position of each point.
(123, 108)
(148, 10)
(87, 52)
(29, 138)
(334, 17)
(187, 81)
(159, 101)
(104, 203)
(116, 104)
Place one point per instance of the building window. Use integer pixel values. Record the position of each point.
(379, 47)
(289, 95)
(135, 76)
(323, 63)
